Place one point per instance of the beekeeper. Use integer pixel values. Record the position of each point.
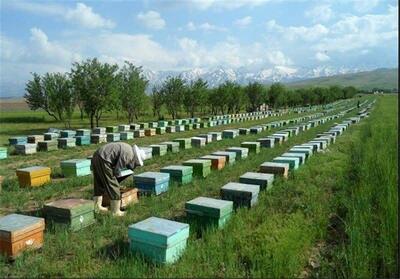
(107, 163)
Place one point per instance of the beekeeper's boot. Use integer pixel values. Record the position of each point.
(115, 206)
(98, 207)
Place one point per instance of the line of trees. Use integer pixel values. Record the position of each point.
(96, 88)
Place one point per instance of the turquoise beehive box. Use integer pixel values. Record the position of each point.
(82, 140)
(264, 180)
(241, 152)
(301, 156)
(159, 240)
(126, 135)
(152, 182)
(292, 161)
(3, 153)
(241, 194)
(68, 133)
(75, 167)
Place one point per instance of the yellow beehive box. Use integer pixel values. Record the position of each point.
(33, 176)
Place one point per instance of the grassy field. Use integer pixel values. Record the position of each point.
(288, 234)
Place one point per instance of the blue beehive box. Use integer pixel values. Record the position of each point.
(75, 167)
(68, 133)
(159, 240)
(152, 182)
(301, 156)
(3, 153)
(264, 180)
(241, 194)
(82, 140)
(18, 140)
(292, 161)
(306, 151)
(83, 132)
(241, 152)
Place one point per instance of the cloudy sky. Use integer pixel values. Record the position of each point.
(41, 36)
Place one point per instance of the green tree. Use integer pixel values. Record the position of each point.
(132, 90)
(173, 90)
(274, 92)
(194, 96)
(256, 95)
(157, 101)
(349, 92)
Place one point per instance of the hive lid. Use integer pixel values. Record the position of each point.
(15, 226)
(204, 163)
(225, 153)
(242, 150)
(77, 163)
(68, 208)
(293, 154)
(35, 171)
(275, 164)
(242, 188)
(213, 157)
(152, 177)
(258, 176)
(159, 232)
(178, 170)
(209, 207)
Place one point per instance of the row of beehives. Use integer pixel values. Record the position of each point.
(19, 232)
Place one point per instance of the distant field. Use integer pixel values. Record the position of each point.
(13, 105)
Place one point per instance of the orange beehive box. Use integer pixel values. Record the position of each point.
(33, 176)
(217, 162)
(128, 196)
(150, 132)
(19, 233)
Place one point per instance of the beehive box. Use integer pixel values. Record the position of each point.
(126, 135)
(159, 240)
(111, 129)
(217, 162)
(82, 140)
(285, 135)
(178, 122)
(153, 125)
(275, 168)
(310, 148)
(188, 127)
(3, 153)
(83, 132)
(229, 155)
(301, 156)
(307, 152)
(241, 152)
(128, 196)
(292, 161)
(208, 211)
(179, 128)
(138, 133)
(278, 139)
(264, 180)
(255, 130)
(144, 125)
(123, 128)
(148, 151)
(35, 138)
(216, 136)
(19, 233)
(51, 136)
(47, 145)
(244, 131)
(171, 146)
(198, 141)
(266, 142)
(184, 143)
(314, 146)
(208, 137)
(159, 149)
(99, 130)
(68, 133)
(149, 132)
(204, 124)
(66, 142)
(229, 134)
(170, 129)
(160, 130)
(134, 126)
(253, 146)
(25, 149)
(113, 137)
(196, 125)
(180, 174)
(75, 167)
(322, 143)
(74, 214)
(162, 123)
(33, 176)
(240, 194)
(152, 182)
(201, 168)
(98, 138)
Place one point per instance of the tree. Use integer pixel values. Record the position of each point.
(157, 100)
(256, 94)
(173, 90)
(194, 96)
(132, 90)
(97, 84)
(349, 92)
(274, 92)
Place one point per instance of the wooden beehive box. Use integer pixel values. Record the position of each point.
(113, 137)
(198, 141)
(184, 143)
(275, 168)
(152, 182)
(74, 214)
(264, 180)
(66, 142)
(240, 193)
(310, 148)
(111, 129)
(138, 133)
(301, 156)
(149, 132)
(98, 138)
(180, 174)
(33, 176)
(128, 196)
(99, 130)
(241, 152)
(278, 139)
(3, 153)
(126, 135)
(67, 133)
(159, 149)
(253, 146)
(47, 145)
(75, 167)
(35, 138)
(26, 149)
(171, 146)
(82, 140)
(292, 161)
(159, 240)
(229, 155)
(208, 211)
(217, 162)
(19, 233)
(285, 135)
(201, 168)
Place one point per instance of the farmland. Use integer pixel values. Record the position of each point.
(299, 228)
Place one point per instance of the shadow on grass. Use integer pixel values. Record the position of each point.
(116, 250)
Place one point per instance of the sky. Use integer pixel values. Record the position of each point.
(48, 36)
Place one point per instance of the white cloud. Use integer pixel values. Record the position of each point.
(225, 4)
(243, 21)
(277, 57)
(151, 19)
(204, 27)
(363, 6)
(323, 57)
(292, 33)
(190, 26)
(321, 13)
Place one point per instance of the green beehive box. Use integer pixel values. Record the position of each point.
(126, 135)
(124, 128)
(74, 214)
(138, 133)
(75, 167)
(3, 154)
(208, 211)
(47, 145)
(171, 146)
(244, 131)
(66, 142)
(158, 149)
(178, 122)
(180, 174)
(301, 156)
(83, 132)
(153, 125)
(68, 133)
(241, 152)
(240, 193)
(82, 140)
(229, 134)
(111, 129)
(253, 146)
(113, 137)
(184, 143)
(292, 161)
(264, 180)
(203, 124)
(179, 128)
(198, 141)
(196, 125)
(159, 240)
(188, 127)
(306, 151)
(170, 129)
(144, 125)
(229, 155)
(201, 168)
(160, 130)
(162, 124)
